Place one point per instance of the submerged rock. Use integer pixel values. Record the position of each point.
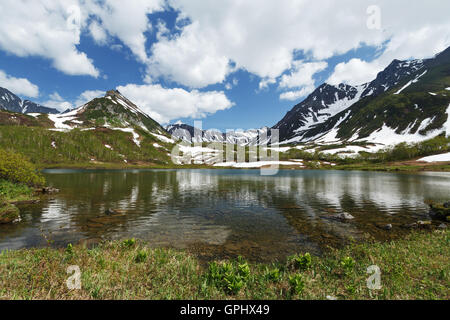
(9, 213)
(411, 225)
(49, 190)
(114, 212)
(344, 216)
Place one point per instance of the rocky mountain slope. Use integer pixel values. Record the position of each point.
(409, 101)
(110, 129)
(9, 101)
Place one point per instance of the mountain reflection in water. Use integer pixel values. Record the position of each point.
(225, 213)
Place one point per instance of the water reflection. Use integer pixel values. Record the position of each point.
(225, 213)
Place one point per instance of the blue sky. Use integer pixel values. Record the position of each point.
(187, 60)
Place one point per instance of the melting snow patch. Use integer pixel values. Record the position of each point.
(163, 138)
(258, 164)
(135, 135)
(437, 158)
(410, 82)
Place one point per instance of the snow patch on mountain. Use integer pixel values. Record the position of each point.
(437, 158)
(411, 82)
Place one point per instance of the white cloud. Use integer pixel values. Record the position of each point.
(263, 37)
(19, 86)
(164, 104)
(354, 72)
(57, 102)
(302, 74)
(87, 96)
(295, 95)
(50, 29)
(192, 59)
(126, 21)
(98, 33)
(265, 82)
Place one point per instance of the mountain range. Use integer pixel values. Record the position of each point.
(9, 101)
(408, 101)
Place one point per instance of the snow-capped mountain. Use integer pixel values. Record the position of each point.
(112, 111)
(9, 101)
(408, 101)
(190, 134)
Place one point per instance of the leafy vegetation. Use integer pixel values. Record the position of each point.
(10, 191)
(415, 267)
(8, 213)
(45, 148)
(16, 168)
(399, 152)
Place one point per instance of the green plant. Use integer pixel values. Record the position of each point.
(228, 276)
(141, 256)
(297, 283)
(273, 275)
(243, 269)
(128, 243)
(69, 249)
(348, 264)
(302, 262)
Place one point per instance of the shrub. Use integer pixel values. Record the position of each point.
(16, 168)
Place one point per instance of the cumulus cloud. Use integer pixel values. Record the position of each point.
(20, 86)
(126, 21)
(98, 33)
(163, 104)
(354, 72)
(56, 101)
(214, 39)
(87, 96)
(192, 59)
(302, 74)
(295, 95)
(232, 31)
(50, 29)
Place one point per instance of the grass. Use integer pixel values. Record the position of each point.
(13, 192)
(416, 267)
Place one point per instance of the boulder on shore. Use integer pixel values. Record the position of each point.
(49, 190)
(9, 213)
(440, 211)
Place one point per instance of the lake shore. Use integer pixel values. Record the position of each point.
(415, 267)
(409, 166)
